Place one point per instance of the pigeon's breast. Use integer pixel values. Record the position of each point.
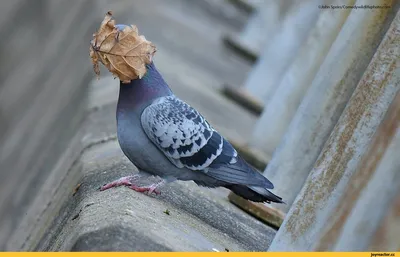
(143, 153)
(133, 141)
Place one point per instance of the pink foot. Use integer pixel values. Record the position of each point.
(149, 189)
(129, 182)
(124, 181)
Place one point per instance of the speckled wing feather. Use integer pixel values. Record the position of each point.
(188, 140)
(183, 135)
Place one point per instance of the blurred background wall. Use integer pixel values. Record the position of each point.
(43, 89)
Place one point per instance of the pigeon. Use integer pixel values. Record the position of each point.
(166, 137)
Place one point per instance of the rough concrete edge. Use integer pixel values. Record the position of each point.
(89, 194)
(79, 202)
(45, 234)
(61, 213)
(241, 98)
(243, 5)
(98, 241)
(232, 43)
(270, 216)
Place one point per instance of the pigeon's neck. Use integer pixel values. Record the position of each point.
(139, 93)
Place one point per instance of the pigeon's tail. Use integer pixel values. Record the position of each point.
(244, 180)
(255, 194)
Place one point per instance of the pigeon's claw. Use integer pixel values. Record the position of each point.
(124, 181)
(149, 189)
(129, 181)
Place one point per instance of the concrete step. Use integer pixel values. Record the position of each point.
(183, 218)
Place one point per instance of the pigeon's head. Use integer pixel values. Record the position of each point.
(121, 49)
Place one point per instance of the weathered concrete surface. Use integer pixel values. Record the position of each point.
(280, 110)
(371, 196)
(326, 99)
(42, 105)
(388, 230)
(279, 52)
(324, 188)
(128, 241)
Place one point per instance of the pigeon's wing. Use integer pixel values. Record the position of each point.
(188, 140)
(183, 135)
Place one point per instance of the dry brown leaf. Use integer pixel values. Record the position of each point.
(124, 52)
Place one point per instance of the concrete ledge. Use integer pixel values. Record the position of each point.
(184, 217)
(244, 99)
(128, 240)
(267, 214)
(234, 43)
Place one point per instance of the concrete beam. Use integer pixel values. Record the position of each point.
(280, 51)
(259, 28)
(326, 99)
(375, 186)
(314, 207)
(278, 112)
(276, 56)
